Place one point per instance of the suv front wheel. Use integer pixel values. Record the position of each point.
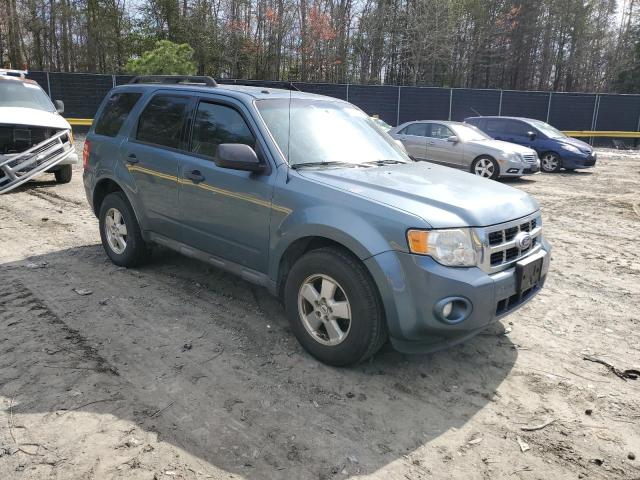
(120, 232)
(333, 307)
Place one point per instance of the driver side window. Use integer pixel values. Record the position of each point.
(216, 124)
(440, 131)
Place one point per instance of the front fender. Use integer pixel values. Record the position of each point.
(341, 226)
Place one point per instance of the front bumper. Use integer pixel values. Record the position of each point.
(16, 169)
(575, 161)
(412, 285)
(509, 168)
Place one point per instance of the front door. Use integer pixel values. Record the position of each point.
(224, 212)
(414, 138)
(440, 149)
(151, 154)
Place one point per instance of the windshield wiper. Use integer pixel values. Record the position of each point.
(322, 164)
(383, 162)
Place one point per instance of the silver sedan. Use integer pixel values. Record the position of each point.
(466, 147)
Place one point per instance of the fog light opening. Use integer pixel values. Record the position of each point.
(453, 310)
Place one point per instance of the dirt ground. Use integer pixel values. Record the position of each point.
(177, 370)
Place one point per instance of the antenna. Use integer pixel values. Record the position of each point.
(475, 111)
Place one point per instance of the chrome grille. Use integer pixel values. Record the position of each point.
(500, 249)
(530, 158)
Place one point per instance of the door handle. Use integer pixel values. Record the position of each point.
(432, 143)
(195, 176)
(132, 158)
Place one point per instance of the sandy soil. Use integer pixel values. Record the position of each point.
(177, 370)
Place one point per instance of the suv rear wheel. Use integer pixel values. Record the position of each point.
(333, 307)
(120, 232)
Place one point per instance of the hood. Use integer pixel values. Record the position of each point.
(499, 145)
(32, 117)
(443, 197)
(584, 146)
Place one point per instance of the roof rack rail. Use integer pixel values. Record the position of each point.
(283, 84)
(175, 79)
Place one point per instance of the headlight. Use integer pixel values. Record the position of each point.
(453, 248)
(571, 148)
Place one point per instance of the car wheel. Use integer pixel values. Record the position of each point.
(550, 162)
(120, 232)
(485, 167)
(64, 174)
(334, 308)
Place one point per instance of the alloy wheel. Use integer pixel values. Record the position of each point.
(549, 162)
(116, 231)
(324, 309)
(484, 168)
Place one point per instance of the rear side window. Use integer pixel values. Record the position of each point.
(162, 120)
(115, 113)
(495, 125)
(416, 129)
(216, 124)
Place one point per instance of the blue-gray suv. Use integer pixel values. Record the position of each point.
(304, 195)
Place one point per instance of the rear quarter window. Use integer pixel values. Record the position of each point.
(115, 113)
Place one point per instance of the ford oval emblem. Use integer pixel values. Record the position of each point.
(523, 240)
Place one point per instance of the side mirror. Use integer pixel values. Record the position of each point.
(532, 135)
(238, 156)
(453, 139)
(59, 106)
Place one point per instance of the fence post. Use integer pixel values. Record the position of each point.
(594, 118)
(500, 106)
(113, 81)
(549, 106)
(48, 85)
(347, 91)
(450, 101)
(398, 110)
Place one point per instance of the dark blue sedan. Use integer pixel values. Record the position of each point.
(554, 148)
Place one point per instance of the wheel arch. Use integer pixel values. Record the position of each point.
(108, 185)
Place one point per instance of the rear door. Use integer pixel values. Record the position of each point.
(152, 154)
(414, 138)
(225, 212)
(439, 149)
(496, 128)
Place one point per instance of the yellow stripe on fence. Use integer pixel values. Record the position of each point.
(80, 122)
(601, 133)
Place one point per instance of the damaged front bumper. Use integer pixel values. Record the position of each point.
(17, 168)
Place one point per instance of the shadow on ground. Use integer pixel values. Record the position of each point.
(207, 362)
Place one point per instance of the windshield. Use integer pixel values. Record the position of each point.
(15, 93)
(468, 133)
(547, 129)
(324, 131)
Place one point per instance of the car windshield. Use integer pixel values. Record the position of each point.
(16, 93)
(547, 129)
(468, 133)
(310, 132)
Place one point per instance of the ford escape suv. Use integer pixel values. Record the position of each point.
(304, 195)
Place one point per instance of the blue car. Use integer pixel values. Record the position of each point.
(554, 148)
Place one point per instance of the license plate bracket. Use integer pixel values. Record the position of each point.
(528, 273)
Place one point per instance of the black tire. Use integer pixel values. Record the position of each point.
(64, 174)
(550, 162)
(136, 251)
(367, 331)
(484, 158)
